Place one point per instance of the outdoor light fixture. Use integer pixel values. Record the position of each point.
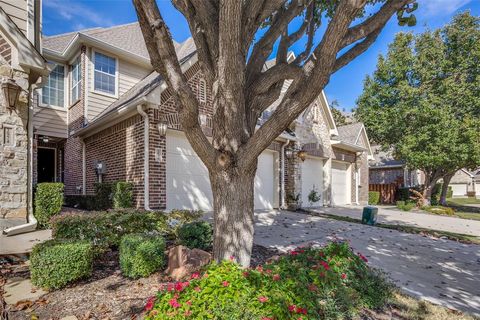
(11, 91)
(45, 139)
(302, 154)
(162, 128)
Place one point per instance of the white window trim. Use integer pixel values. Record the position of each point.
(66, 98)
(13, 140)
(202, 94)
(71, 102)
(92, 82)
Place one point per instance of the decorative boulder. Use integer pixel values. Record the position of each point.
(183, 261)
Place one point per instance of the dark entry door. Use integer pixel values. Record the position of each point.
(46, 165)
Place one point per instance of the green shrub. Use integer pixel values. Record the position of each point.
(141, 254)
(84, 202)
(123, 195)
(322, 283)
(103, 195)
(176, 218)
(54, 264)
(105, 229)
(197, 234)
(449, 192)
(373, 197)
(48, 202)
(440, 210)
(405, 205)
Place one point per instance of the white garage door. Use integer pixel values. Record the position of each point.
(459, 190)
(312, 177)
(340, 184)
(188, 184)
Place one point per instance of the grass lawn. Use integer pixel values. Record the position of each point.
(463, 201)
(462, 208)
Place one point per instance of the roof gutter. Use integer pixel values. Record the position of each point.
(347, 146)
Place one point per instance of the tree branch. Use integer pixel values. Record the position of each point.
(164, 60)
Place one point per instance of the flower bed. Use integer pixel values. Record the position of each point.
(327, 283)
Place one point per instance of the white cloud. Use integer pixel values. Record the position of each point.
(431, 8)
(72, 11)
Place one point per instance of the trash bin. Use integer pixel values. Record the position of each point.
(369, 215)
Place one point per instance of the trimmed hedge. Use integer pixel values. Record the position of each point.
(123, 195)
(48, 202)
(198, 234)
(405, 205)
(373, 197)
(54, 263)
(105, 229)
(84, 202)
(141, 254)
(103, 195)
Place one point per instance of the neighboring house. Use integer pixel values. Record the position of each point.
(465, 182)
(385, 169)
(105, 115)
(21, 67)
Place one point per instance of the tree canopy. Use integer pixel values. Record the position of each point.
(423, 100)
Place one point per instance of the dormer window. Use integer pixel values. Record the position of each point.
(53, 91)
(105, 69)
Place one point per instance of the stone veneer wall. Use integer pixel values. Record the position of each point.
(13, 157)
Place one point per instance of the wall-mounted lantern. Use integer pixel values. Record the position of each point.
(301, 154)
(11, 91)
(162, 128)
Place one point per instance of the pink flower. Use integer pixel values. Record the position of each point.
(231, 258)
(197, 289)
(174, 303)
(170, 287)
(266, 318)
(187, 313)
(150, 303)
(276, 277)
(260, 269)
(225, 283)
(362, 257)
(195, 275)
(292, 308)
(268, 271)
(344, 276)
(178, 286)
(189, 302)
(262, 299)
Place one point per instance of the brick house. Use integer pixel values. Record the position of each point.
(105, 115)
(21, 69)
(465, 182)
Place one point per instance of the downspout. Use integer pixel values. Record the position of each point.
(282, 179)
(146, 164)
(84, 167)
(31, 224)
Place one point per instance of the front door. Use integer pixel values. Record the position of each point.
(45, 165)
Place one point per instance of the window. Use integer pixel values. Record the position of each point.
(202, 90)
(76, 80)
(52, 92)
(8, 137)
(105, 72)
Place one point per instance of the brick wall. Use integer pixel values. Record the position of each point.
(73, 146)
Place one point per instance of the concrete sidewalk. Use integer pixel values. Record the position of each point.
(22, 243)
(390, 215)
(441, 271)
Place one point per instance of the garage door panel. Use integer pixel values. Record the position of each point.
(312, 177)
(459, 190)
(188, 183)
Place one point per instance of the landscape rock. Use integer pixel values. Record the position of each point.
(183, 261)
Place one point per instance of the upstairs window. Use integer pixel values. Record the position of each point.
(105, 73)
(53, 91)
(76, 80)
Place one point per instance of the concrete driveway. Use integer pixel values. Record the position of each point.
(441, 271)
(391, 215)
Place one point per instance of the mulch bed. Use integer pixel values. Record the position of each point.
(106, 295)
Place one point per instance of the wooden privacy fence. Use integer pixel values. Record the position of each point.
(387, 192)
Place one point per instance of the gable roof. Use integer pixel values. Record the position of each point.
(353, 137)
(350, 132)
(383, 158)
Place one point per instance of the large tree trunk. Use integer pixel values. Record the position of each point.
(430, 181)
(446, 182)
(233, 215)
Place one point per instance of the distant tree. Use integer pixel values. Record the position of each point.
(423, 100)
(338, 116)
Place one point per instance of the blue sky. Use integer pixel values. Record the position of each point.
(60, 16)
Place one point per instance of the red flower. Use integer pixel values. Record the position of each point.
(189, 302)
(344, 276)
(362, 257)
(322, 274)
(301, 310)
(260, 269)
(150, 303)
(195, 275)
(292, 308)
(268, 271)
(225, 283)
(293, 253)
(276, 277)
(170, 287)
(312, 287)
(325, 265)
(174, 303)
(246, 274)
(267, 318)
(262, 299)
